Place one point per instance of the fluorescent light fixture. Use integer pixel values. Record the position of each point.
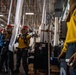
(29, 13)
(1, 15)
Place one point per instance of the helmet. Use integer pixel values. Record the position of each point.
(1, 30)
(9, 26)
(25, 27)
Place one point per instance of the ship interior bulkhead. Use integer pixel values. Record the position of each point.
(46, 23)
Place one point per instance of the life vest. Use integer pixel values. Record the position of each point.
(24, 41)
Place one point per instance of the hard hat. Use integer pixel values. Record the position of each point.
(1, 30)
(25, 27)
(9, 26)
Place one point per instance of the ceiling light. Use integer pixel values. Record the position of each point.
(29, 13)
(1, 15)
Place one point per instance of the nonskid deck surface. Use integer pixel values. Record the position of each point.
(30, 72)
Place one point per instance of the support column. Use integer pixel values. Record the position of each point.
(16, 24)
(9, 12)
(56, 35)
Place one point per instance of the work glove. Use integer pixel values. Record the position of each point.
(33, 34)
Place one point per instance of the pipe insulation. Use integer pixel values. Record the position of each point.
(16, 24)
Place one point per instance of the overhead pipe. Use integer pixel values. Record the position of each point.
(4, 22)
(16, 24)
(56, 35)
(43, 23)
(4, 18)
(9, 15)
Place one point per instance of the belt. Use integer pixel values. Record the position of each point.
(23, 48)
(73, 43)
